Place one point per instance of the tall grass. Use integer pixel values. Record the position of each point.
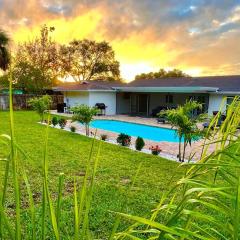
(208, 207)
(210, 192)
(11, 225)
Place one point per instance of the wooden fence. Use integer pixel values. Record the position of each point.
(21, 101)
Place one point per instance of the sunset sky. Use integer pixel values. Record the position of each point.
(200, 37)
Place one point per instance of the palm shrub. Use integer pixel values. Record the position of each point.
(139, 144)
(84, 114)
(185, 122)
(41, 105)
(210, 193)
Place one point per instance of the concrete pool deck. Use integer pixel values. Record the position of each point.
(168, 148)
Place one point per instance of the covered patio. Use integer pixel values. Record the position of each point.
(148, 102)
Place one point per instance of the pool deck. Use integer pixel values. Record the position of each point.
(168, 148)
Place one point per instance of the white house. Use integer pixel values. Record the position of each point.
(148, 96)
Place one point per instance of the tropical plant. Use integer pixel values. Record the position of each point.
(185, 122)
(41, 105)
(139, 144)
(124, 139)
(84, 114)
(4, 53)
(209, 204)
(155, 150)
(54, 121)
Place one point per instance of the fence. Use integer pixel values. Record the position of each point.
(21, 101)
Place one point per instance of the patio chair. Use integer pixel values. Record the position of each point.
(162, 118)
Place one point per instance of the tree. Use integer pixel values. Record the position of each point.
(161, 74)
(185, 122)
(41, 105)
(84, 114)
(86, 60)
(37, 62)
(4, 53)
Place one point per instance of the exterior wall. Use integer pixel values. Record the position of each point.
(76, 98)
(216, 102)
(123, 103)
(108, 98)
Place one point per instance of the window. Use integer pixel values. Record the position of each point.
(229, 100)
(169, 98)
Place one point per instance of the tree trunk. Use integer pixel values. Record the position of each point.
(179, 149)
(184, 150)
(87, 129)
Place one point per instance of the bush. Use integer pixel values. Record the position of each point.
(104, 137)
(62, 122)
(155, 150)
(73, 129)
(41, 105)
(84, 114)
(54, 121)
(139, 144)
(124, 139)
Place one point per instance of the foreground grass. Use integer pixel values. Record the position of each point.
(68, 153)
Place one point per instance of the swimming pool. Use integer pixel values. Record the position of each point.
(133, 129)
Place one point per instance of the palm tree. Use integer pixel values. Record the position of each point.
(185, 123)
(4, 53)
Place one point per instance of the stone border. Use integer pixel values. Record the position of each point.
(110, 141)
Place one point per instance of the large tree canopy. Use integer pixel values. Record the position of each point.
(36, 64)
(86, 60)
(162, 73)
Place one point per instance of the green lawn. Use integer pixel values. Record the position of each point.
(68, 152)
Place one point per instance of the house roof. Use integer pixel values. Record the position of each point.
(221, 83)
(185, 84)
(88, 86)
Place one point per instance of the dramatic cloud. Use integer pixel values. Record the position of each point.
(199, 36)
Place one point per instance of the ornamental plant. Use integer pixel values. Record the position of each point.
(104, 137)
(139, 144)
(124, 139)
(62, 123)
(73, 129)
(155, 150)
(54, 121)
(41, 105)
(84, 114)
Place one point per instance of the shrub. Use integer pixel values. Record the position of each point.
(139, 144)
(124, 139)
(155, 150)
(62, 122)
(104, 137)
(40, 104)
(84, 114)
(73, 129)
(54, 121)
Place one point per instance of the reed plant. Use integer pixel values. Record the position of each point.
(209, 207)
(50, 214)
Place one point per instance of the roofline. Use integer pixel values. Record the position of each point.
(167, 89)
(228, 92)
(91, 90)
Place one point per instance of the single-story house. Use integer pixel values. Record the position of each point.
(142, 97)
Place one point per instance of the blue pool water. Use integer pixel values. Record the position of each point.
(134, 129)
